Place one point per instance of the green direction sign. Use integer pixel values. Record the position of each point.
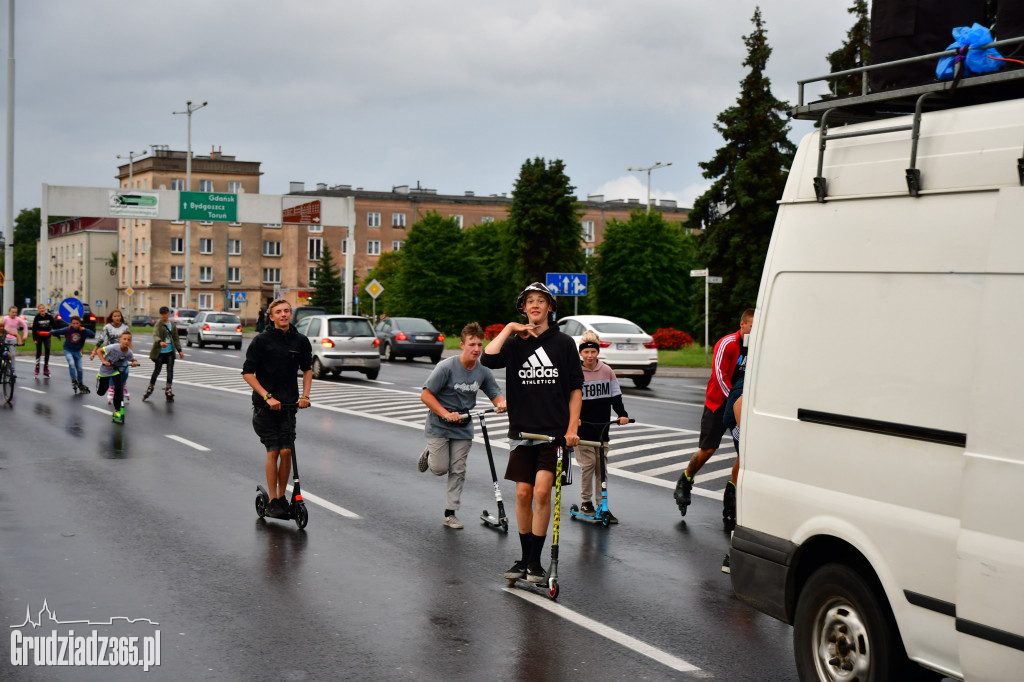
(208, 206)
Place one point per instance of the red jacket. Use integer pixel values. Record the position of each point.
(727, 355)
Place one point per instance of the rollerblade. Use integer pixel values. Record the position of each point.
(74, 388)
(37, 369)
(169, 394)
(682, 493)
(118, 417)
(729, 506)
(127, 396)
(82, 388)
(46, 371)
(149, 392)
(110, 395)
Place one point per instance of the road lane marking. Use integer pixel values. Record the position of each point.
(33, 390)
(98, 409)
(713, 494)
(186, 441)
(330, 506)
(603, 630)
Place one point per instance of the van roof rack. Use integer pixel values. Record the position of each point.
(869, 106)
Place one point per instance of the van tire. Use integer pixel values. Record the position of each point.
(836, 595)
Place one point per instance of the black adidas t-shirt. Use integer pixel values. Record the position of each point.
(540, 374)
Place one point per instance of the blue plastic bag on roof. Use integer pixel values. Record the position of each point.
(975, 61)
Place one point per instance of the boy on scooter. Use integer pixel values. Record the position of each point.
(544, 383)
(450, 389)
(601, 395)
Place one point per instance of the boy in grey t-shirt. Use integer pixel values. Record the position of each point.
(450, 389)
(117, 358)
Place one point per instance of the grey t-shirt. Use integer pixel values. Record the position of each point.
(119, 360)
(455, 387)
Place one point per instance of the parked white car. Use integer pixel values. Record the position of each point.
(625, 347)
(214, 327)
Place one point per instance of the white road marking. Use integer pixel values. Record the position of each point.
(330, 506)
(713, 494)
(662, 400)
(603, 630)
(99, 409)
(185, 441)
(33, 390)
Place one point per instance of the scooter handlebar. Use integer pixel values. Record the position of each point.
(558, 440)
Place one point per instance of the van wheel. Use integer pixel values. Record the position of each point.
(842, 630)
(318, 369)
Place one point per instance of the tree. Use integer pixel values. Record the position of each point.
(328, 289)
(642, 271)
(436, 278)
(490, 247)
(738, 211)
(854, 53)
(544, 222)
(26, 235)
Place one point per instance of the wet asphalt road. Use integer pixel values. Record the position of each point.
(103, 521)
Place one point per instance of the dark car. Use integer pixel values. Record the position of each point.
(409, 337)
(143, 321)
(88, 319)
(305, 311)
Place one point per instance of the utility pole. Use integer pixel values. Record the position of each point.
(9, 246)
(188, 188)
(131, 226)
(657, 164)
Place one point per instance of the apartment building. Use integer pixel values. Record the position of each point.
(79, 252)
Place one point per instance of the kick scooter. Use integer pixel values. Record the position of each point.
(500, 522)
(296, 508)
(602, 514)
(563, 476)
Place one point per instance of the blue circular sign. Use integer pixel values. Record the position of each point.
(70, 306)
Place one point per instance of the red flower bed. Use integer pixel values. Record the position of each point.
(672, 339)
(493, 330)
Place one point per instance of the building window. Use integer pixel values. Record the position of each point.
(398, 220)
(234, 275)
(143, 274)
(315, 245)
(177, 273)
(205, 273)
(457, 219)
(176, 300)
(206, 301)
(396, 245)
(206, 185)
(373, 219)
(588, 252)
(234, 303)
(177, 245)
(205, 246)
(373, 247)
(315, 228)
(271, 275)
(344, 247)
(271, 248)
(206, 222)
(588, 231)
(487, 219)
(177, 222)
(312, 275)
(234, 187)
(272, 225)
(178, 184)
(234, 247)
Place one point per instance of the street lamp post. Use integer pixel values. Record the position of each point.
(657, 164)
(131, 225)
(188, 188)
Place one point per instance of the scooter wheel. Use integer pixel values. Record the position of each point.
(504, 526)
(573, 510)
(511, 582)
(553, 590)
(301, 516)
(261, 506)
(605, 519)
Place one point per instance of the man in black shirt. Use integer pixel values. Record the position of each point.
(271, 362)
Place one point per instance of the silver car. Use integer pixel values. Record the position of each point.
(214, 327)
(341, 343)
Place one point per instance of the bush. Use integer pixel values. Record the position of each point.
(493, 330)
(672, 339)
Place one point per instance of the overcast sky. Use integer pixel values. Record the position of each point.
(453, 94)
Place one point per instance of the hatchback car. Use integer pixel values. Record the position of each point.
(625, 347)
(214, 327)
(143, 321)
(182, 317)
(409, 337)
(341, 343)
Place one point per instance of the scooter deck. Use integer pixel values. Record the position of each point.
(549, 587)
(494, 522)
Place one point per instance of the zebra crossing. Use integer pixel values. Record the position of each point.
(643, 452)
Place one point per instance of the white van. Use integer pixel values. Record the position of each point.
(881, 490)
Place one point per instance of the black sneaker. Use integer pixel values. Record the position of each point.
(587, 508)
(682, 493)
(535, 573)
(517, 571)
(725, 565)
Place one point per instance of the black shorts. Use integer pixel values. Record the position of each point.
(525, 461)
(712, 428)
(275, 429)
